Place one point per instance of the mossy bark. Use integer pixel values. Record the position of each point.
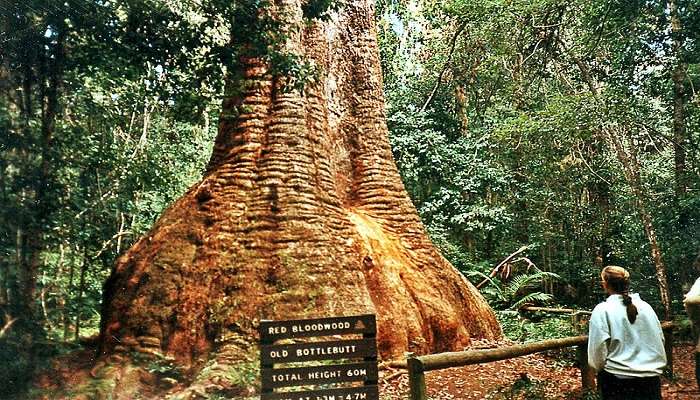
(302, 213)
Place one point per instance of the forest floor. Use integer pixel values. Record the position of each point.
(543, 376)
(538, 376)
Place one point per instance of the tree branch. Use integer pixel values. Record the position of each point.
(106, 244)
(453, 43)
(10, 321)
(501, 264)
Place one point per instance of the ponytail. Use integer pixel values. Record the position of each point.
(618, 279)
(631, 308)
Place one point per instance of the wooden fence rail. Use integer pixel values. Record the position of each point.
(555, 310)
(418, 365)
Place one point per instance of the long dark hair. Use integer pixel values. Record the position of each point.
(618, 279)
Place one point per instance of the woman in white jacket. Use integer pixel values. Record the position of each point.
(625, 342)
(692, 307)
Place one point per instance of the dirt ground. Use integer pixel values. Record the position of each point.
(534, 377)
(537, 376)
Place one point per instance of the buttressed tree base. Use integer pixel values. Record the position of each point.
(301, 213)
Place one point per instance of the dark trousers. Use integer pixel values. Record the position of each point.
(697, 369)
(614, 388)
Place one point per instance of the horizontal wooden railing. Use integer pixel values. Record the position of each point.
(418, 365)
(555, 310)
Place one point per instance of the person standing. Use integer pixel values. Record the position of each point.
(692, 307)
(625, 342)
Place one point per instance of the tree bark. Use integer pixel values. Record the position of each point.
(302, 213)
(66, 309)
(462, 108)
(680, 136)
(5, 263)
(81, 290)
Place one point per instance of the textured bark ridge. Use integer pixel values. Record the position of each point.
(302, 214)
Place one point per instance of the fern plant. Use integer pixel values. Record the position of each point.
(523, 288)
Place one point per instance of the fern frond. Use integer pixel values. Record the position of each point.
(534, 298)
(525, 281)
(495, 286)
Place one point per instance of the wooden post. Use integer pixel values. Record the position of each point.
(587, 373)
(416, 377)
(576, 322)
(668, 346)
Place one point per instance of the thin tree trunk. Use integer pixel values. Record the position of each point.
(50, 67)
(44, 308)
(602, 195)
(680, 135)
(630, 166)
(462, 107)
(631, 170)
(5, 91)
(79, 300)
(143, 140)
(61, 296)
(4, 275)
(66, 309)
(18, 295)
(4, 261)
(548, 282)
(23, 294)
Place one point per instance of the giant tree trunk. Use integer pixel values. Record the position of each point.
(301, 214)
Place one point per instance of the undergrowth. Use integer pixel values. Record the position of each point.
(534, 327)
(539, 327)
(524, 388)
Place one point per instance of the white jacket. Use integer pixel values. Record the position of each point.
(623, 348)
(692, 307)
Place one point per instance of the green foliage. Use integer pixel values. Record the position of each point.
(16, 366)
(537, 328)
(454, 197)
(590, 395)
(523, 388)
(241, 375)
(683, 329)
(296, 71)
(164, 368)
(319, 9)
(509, 150)
(522, 289)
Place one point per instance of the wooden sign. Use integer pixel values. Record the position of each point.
(353, 393)
(335, 350)
(349, 350)
(282, 377)
(276, 330)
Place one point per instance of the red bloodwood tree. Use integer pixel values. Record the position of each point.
(301, 213)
